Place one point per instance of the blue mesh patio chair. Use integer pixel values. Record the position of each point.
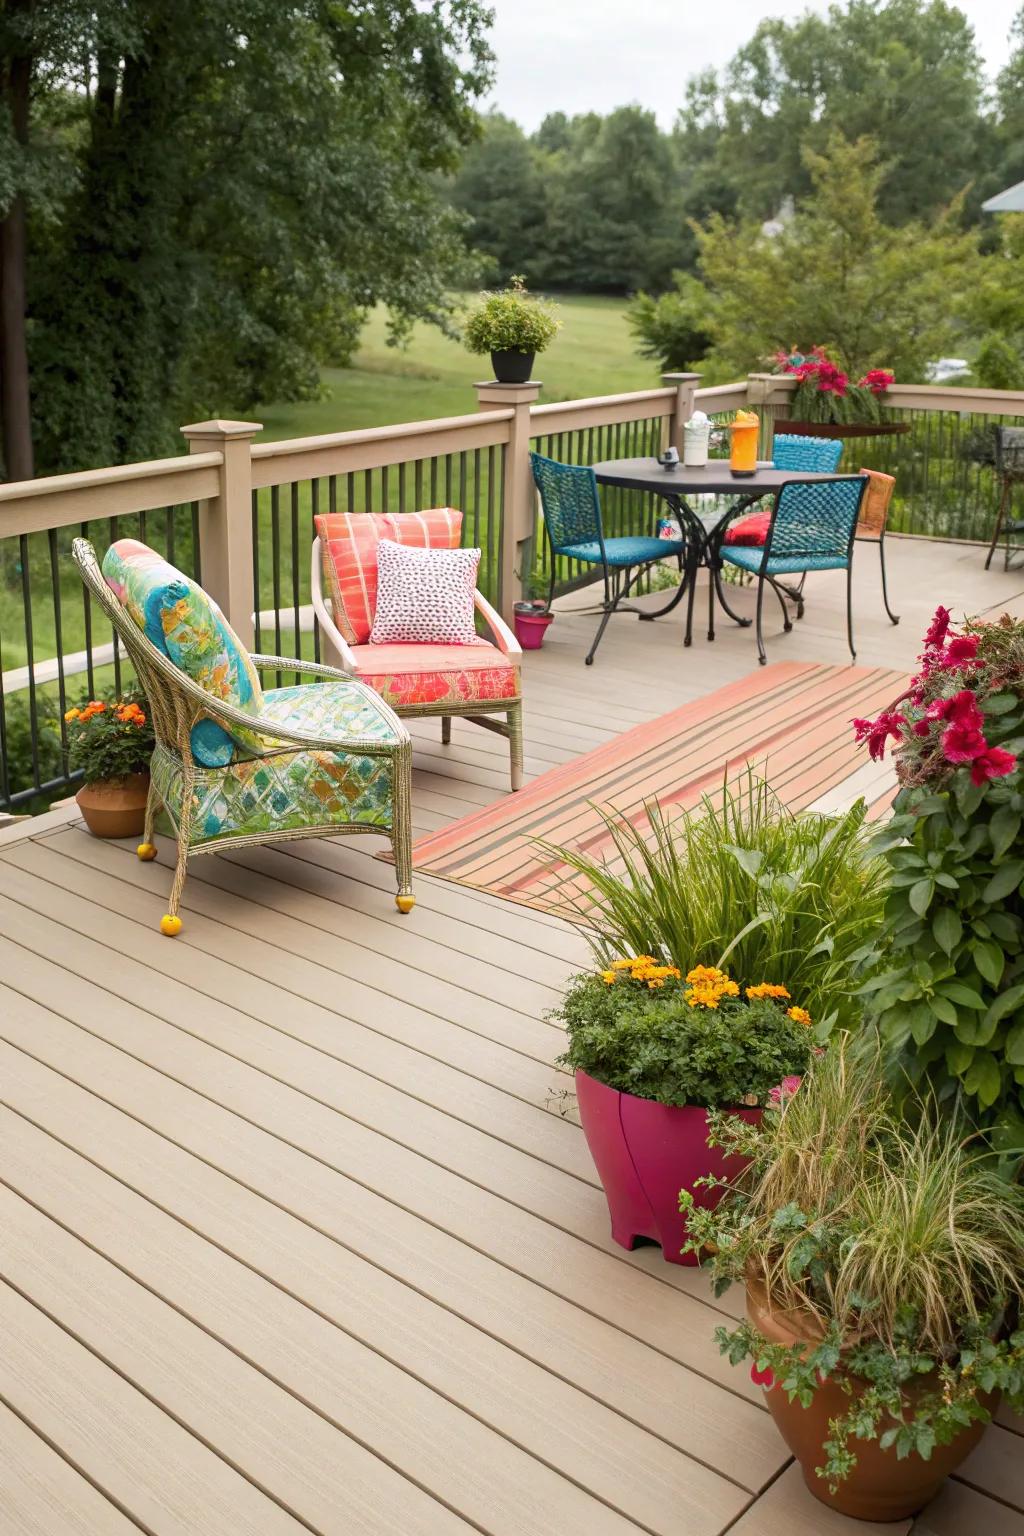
(812, 529)
(810, 455)
(572, 517)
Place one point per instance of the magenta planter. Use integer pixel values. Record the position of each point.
(530, 627)
(645, 1154)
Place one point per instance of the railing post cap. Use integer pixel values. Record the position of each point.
(492, 392)
(221, 429)
(680, 378)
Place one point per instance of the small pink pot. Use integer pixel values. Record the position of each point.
(645, 1154)
(530, 627)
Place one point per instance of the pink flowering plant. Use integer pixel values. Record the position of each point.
(950, 1004)
(825, 393)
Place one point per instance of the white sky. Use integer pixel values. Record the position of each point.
(593, 55)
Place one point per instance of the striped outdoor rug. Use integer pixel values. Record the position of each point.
(790, 721)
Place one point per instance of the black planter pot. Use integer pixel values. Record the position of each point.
(512, 367)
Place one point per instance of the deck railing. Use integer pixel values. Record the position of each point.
(238, 515)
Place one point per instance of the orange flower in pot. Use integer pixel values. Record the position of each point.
(884, 1264)
(110, 743)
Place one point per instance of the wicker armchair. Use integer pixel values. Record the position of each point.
(348, 771)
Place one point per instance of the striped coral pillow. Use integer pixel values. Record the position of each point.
(348, 542)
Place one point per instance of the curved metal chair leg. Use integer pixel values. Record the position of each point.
(762, 654)
(849, 609)
(606, 615)
(997, 530)
(737, 618)
(674, 601)
(894, 618)
(787, 622)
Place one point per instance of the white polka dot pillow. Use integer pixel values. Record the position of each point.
(424, 596)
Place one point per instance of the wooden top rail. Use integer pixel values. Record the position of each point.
(54, 501)
(953, 397)
(339, 453)
(600, 411)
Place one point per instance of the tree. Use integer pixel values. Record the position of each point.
(247, 178)
(996, 308)
(905, 72)
(1010, 118)
(834, 276)
(500, 187)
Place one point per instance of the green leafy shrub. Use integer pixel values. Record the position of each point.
(643, 1029)
(951, 1004)
(109, 740)
(896, 1243)
(743, 881)
(18, 740)
(511, 321)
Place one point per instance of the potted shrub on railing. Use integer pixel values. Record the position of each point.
(652, 1052)
(827, 403)
(950, 1004)
(110, 744)
(513, 326)
(884, 1265)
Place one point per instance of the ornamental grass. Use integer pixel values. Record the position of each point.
(740, 882)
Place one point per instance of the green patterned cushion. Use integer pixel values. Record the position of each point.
(188, 627)
(292, 791)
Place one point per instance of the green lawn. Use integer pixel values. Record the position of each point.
(593, 354)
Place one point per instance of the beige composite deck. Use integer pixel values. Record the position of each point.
(294, 1235)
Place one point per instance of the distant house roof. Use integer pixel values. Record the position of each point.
(1010, 201)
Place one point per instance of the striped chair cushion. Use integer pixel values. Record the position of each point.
(349, 542)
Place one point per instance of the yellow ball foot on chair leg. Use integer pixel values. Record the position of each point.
(169, 925)
(405, 903)
(146, 851)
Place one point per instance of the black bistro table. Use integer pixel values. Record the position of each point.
(703, 532)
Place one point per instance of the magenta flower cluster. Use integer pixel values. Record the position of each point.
(955, 719)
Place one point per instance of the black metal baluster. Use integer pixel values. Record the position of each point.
(275, 568)
(299, 676)
(314, 514)
(58, 633)
(257, 606)
(33, 713)
(114, 535)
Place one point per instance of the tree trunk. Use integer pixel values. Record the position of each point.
(15, 400)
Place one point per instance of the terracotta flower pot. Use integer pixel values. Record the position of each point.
(645, 1154)
(881, 1486)
(115, 807)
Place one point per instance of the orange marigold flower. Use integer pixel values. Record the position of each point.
(766, 989)
(654, 983)
(72, 714)
(608, 977)
(799, 1015)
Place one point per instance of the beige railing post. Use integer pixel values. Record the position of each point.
(760, 387)
(684, 407)
(518, 502)
(225, 521)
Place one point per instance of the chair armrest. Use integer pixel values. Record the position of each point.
(324, 615)
(506, 640)
(293, 664)
(288, 740)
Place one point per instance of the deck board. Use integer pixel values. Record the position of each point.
(297, 1235)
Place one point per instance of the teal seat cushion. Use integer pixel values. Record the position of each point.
(624, 552)
(186, 625)
(783, 565)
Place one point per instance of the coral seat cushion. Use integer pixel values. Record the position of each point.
(749, 530)
(348, 542)
(183, 622)
(409, 675)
